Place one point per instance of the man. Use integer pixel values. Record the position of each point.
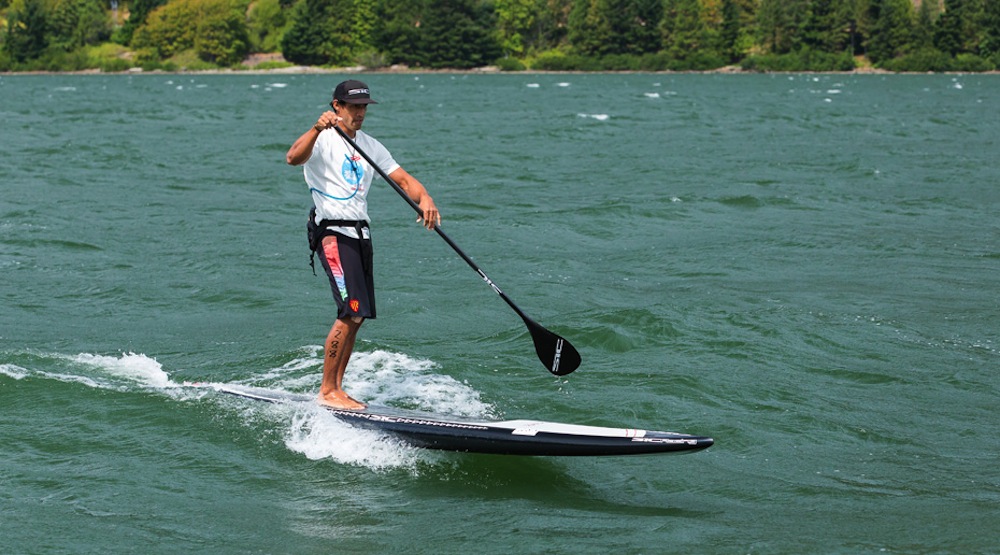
(339, 179)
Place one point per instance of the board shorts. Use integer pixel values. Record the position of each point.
(348, 264)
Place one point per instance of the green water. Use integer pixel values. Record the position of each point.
(805, 268)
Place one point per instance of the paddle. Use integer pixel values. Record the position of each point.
(556, 354)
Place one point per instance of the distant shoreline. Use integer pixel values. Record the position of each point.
(487, 70)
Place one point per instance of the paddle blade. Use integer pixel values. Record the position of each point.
(557, 354)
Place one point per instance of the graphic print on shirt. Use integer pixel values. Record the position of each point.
(352, 171)
(332, 253)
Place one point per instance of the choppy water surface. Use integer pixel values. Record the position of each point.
(803, 267)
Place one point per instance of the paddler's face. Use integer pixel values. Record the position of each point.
(353, 114)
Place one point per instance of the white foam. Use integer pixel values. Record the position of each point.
(14, 371)
(377, 377)
(382, 378)
(292, 370)
(598, 117)
(98, 371)
(318, 435)
(137, 368)
(394, 379)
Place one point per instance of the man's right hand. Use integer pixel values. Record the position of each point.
(327, 120)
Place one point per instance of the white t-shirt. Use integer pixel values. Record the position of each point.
(339, 178)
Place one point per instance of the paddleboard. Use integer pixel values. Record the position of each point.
(499, 437)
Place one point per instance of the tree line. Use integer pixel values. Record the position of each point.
(585, 35)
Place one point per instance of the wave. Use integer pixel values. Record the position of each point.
(379, 377)
(127, 372)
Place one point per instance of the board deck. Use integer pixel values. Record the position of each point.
(503, 437)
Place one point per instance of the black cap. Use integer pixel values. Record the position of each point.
(353, 92)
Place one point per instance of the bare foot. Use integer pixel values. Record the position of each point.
(341, 400)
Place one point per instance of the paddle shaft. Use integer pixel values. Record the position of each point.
(437, 228)
(563, 358)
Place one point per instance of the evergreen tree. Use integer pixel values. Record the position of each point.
(75, 23)
(363, 24)
(587, 32)
(797, 12)
(943, 34)
(607, 27)
(729, 33)
(959, 31)
(991, 31)
(611, 27)
(642, 26)
(515, 20)
(437, 34)
(828, 27)
(320, 33)
(779, 24)
(457, 34)
(266, 22)
(397, 29)
(683, 29)
(27, 31)
(222, 36)
(853, 12)
(923, 31)
(892, 30)
(139, 10)
(745, 25)
(771, 26)
(552, 24)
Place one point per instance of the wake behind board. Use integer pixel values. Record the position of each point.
(501, 437)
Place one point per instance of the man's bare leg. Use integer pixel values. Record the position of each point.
(338, 349)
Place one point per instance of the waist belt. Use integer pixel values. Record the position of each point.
(320, 230)
(358, 225)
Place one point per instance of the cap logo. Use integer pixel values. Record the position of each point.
(352, 92)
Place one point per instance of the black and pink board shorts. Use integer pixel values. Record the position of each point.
(348, 264)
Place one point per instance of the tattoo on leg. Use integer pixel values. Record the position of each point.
(334, 344)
